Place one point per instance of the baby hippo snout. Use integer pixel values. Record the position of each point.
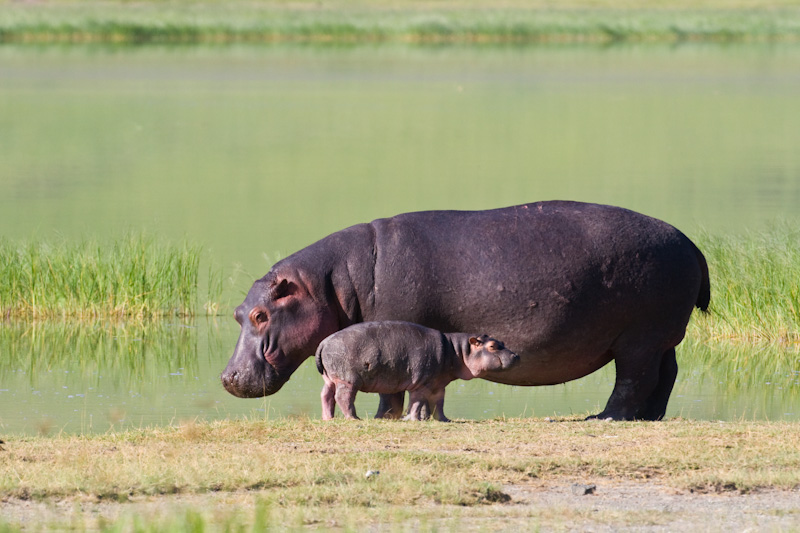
(508, 359)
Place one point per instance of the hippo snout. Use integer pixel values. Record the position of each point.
(249, 375)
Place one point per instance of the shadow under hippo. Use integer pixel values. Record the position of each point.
(568, 286)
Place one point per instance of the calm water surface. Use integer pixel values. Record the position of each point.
(258, 151)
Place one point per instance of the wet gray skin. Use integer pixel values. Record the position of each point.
(568, 286)
(393, 357)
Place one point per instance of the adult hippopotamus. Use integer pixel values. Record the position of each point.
(568, 286)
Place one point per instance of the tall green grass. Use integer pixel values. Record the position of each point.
(755, 282)
(136, 276)
(392, 20)
(755, 285)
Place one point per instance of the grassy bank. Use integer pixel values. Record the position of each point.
(136, 276)
(313, 467)
(443, 21)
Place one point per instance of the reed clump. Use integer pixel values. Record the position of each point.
(134, 277)
(755, 287)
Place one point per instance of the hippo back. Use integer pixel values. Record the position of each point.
(553, 279)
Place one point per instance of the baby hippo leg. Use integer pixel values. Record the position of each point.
(418, 405)
(345, 398)
(327, 397)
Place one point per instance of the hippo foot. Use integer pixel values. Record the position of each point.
(606, 416)
(618, 416)
(597, 417)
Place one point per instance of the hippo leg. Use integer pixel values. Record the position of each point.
(656, 405)
(345, 398)
(638, 365)
(425, 411)
(391, 405)
(327, 396)
(417, 400)
(437, 399)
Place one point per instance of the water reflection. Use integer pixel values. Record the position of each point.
(124, 353)
(751, 381)
(79, 378)
(86, 377)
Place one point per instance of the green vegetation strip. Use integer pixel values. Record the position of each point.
(135, 277)
(442, 21)
(754, 291)
(755, 295)
(303, 462)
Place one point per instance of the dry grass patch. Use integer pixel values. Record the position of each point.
(291, 474)
(308, 462)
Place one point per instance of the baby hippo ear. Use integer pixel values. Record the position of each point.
(475, 341)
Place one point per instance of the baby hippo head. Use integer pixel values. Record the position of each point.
(488, 354)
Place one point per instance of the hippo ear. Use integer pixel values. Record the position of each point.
(282, 288)
(475, 341)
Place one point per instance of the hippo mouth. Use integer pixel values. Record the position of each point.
(247, 385)
(250, 374)
(274, 358)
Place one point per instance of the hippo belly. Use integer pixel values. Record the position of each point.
(568, 286)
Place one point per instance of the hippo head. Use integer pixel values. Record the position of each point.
(488, 354)
(283, 319)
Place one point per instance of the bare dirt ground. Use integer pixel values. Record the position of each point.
(547, 506)
(645, 506)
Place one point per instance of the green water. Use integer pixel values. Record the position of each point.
(256, 152)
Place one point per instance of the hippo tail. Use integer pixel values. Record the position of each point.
(318, 359)
(704, 297)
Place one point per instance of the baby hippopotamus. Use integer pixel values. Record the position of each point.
(390, 357)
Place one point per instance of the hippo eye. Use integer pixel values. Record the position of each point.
(258, 316)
